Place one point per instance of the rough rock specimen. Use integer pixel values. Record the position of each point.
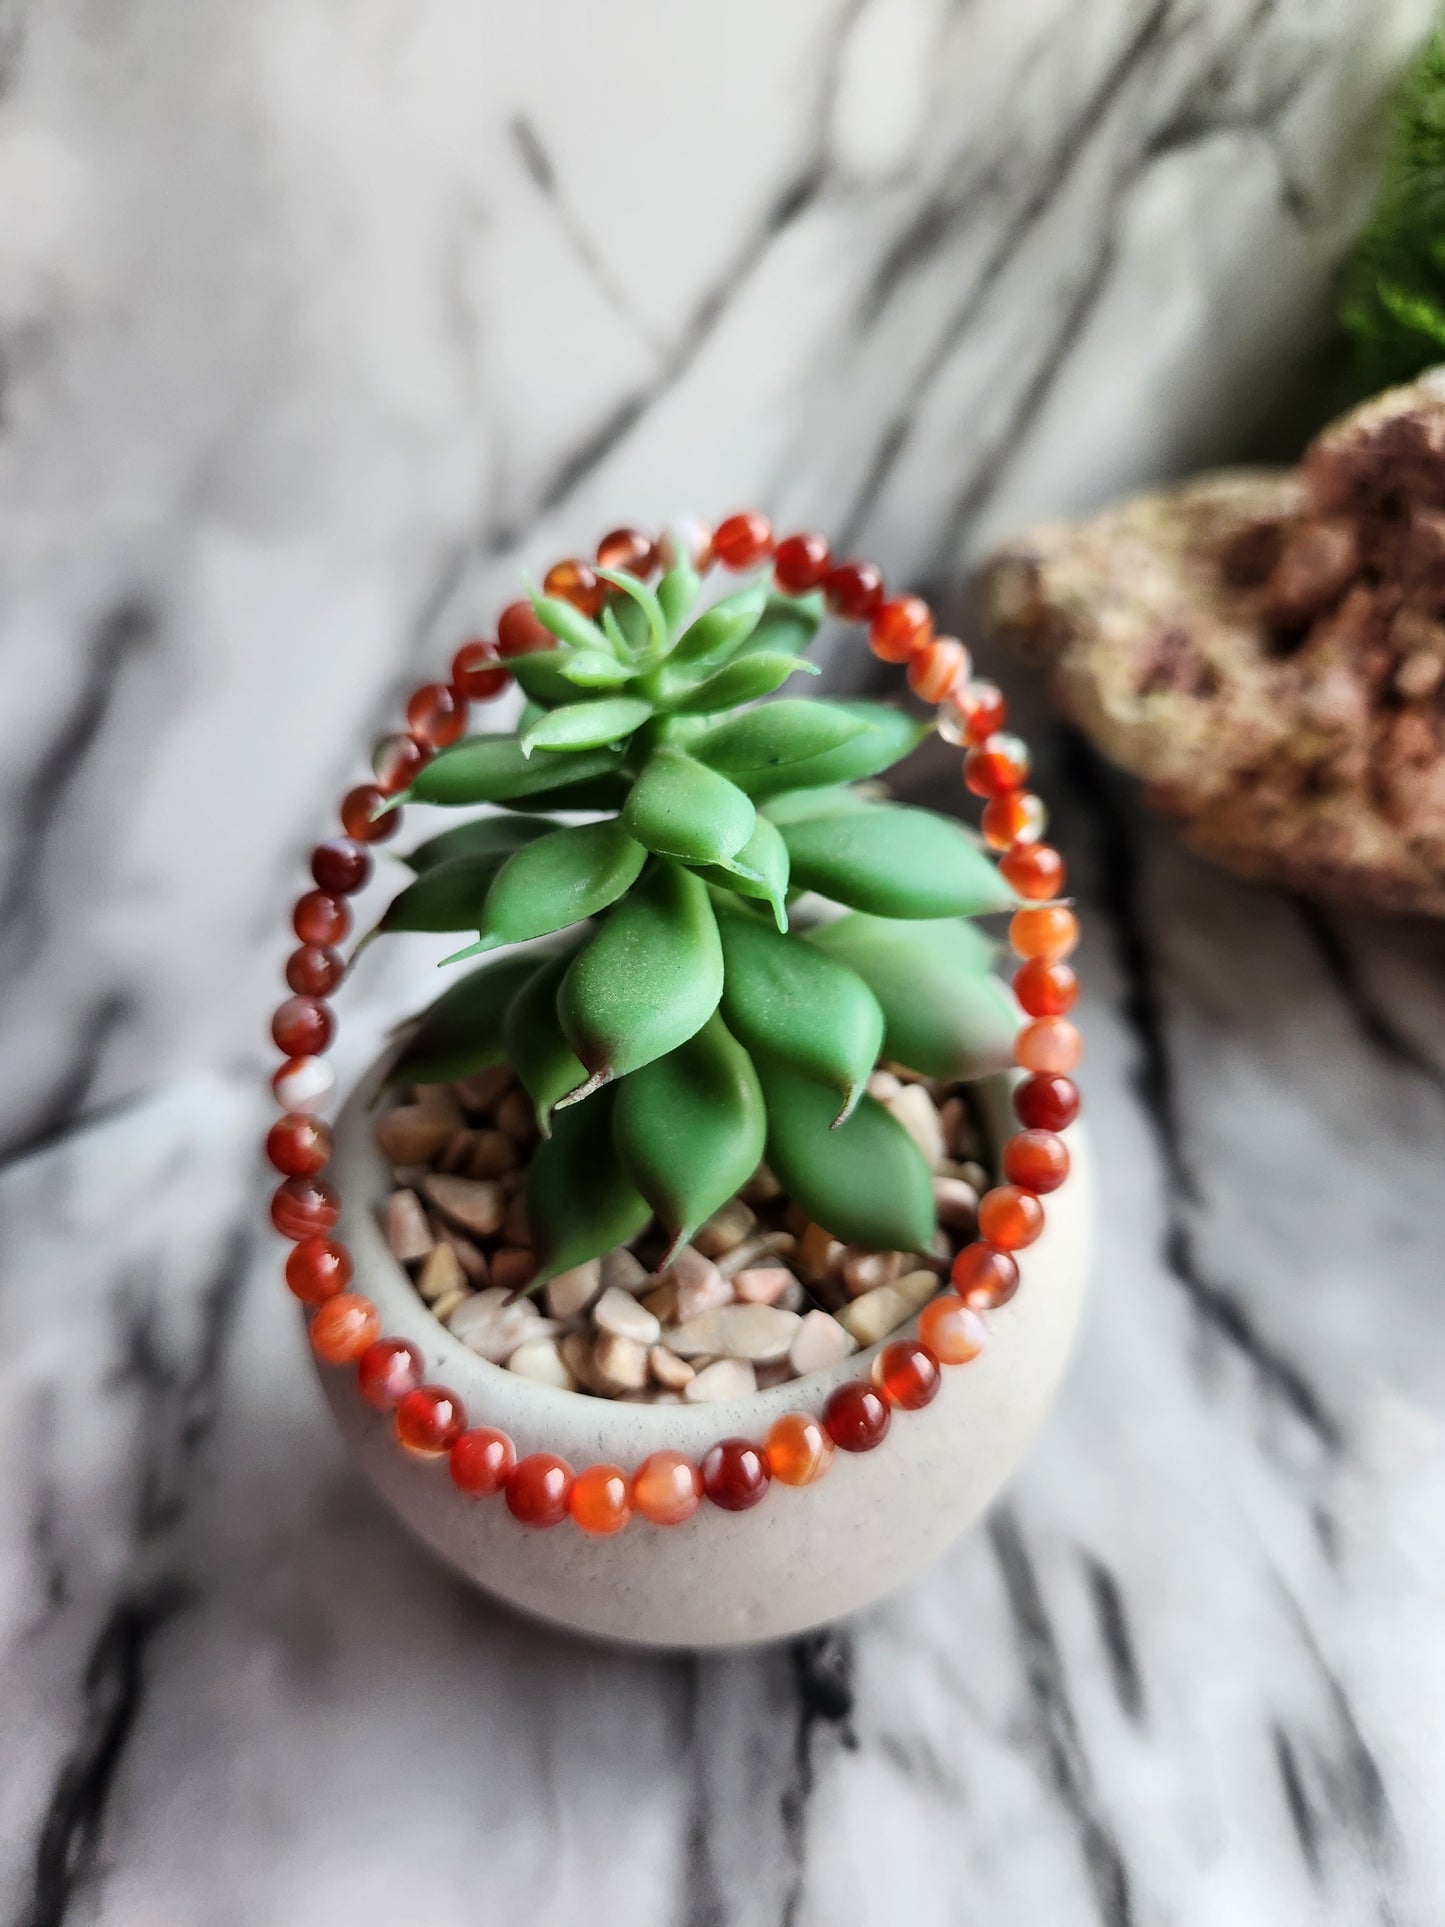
(1267, 651)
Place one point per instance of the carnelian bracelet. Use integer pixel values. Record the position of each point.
(667, 1488)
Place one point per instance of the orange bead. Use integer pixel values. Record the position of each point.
(316, 1269)
(577, 583)
(343, 1328)
(997, 765)
(797, 1448)
(667, 1488)
(1050, 1045)
(537, 1489)
(1038, 1160)
(687, 537)
(951, 1331)
(477, 672)
(481, 1461)
(299, 1145)
(1015, 818)
(1009, 1217)
(359, 817)
(304, 1208)
(907, 1374)
(520, 632)
(1034, 870)
(437, 714)
(430, 1420)
(800, 563)
(900, 627)
(626, 552)
(982, 709)
(387, 1371)
(600, 1500)
(984, 1278)
(396, 762)
(1046, 989)
(934, 669)
(1047, 930)
(743, 540)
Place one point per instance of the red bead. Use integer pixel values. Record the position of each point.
(996, 766)
(1047, 930)
(667, 1488)
(735, 1474)
(983, 709)
(1046, 1103)
(317, 1269)
(1050, 1045)
(304, 1208)
(1034, 870)
(899, 627)
(313, 972)
(321, 919)
(907, 1373)
(1046, 989)
(481, 1462)
(303, 1083)
(359, 816)
(800, 563)
(303, 1026)
(857, 1417)
(436, 714)
(626, 552)
(1037, 1160)
(936, 667)
(984, 1278)
(477, 671)
(299, 1146)
(341, 866)
(1009, 1218)
(1015, 818)
(343, 1328)
(577, 583)
(387, 1371)
(397, 761)
(952, 1331)
(600, 1500)
(538, 1488)
(520, 632)
(743, 540)
(853, 590)
(430, 1420)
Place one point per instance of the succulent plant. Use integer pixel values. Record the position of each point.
(677, 1014)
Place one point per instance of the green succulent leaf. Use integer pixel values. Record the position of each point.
(552, 676)
(647, 980)
(759, 744)
(678, 591)
(608, 792)
(944, 1014)
(498, 835)
(788, 625)
(690, 1128)
(567, 624)
(448, 896)
(556, 882)
(825, 1022)
(587, 725)
(759, 870)
(896, 862)
(625, 627)
(640, 597)
(758, 673)
(495, 769)
(580, 1201)
(681, 808)
(887, 735)
(461, 1033)
(724, 627)
(866, 1181)
(798, 806)
(533, 1040)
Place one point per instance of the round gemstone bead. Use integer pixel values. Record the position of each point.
(436, 714)
(687, 536)
(387, 1371)
(667, 1488)
(538, 1488)
(626, 552)
(1016, 818)
(800, 563)
(997, 765)
(735, 1475)
(396, 762)
(1049, 1044)
(317, 1269)
(984, 1278)
(477, 671)
(302, 1027)
(299, 1146)
(899, 627)
(1034, 870)
(430, 1420)
(343, 1328)
(951, 1331)
(1046, 1103)
(1047, 930)
(320, 918)
(359, 816)
(934, 669)
(1038, 1160)
(743, 540)
(907, 1374)
(304, 1084)
(798, 1449)
(1009, 1217)
(314, 972)
(521, 633)
(1046, 989)
(304, 1208)
(853, 591)
(341, 866)
(481, 1462)
(983, 709)
(600, 1500)
(577, 583)
(857, 1417)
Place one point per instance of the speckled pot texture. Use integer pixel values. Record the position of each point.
(805, 1555)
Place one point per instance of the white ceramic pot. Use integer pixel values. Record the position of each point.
(800, 1558)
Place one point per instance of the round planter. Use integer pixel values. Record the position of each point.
(804, 1556)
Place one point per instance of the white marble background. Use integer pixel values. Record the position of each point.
(316, 322)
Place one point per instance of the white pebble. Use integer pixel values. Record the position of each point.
(726, 1378)
(700, 1285)
(622, 1271)
(620, 1362)
(867, 1270)
(476, 1204)
(573, 1291)
(737, 1331)
(541, 1361)
(494, 1327)
(725, 1230)
(441, 1275)
(879, 1312)
(957, 1203)
(820, 1341)
(762, 1284)
(618, 1311)
(918, 1114)
(668, 1369)
(404, 1226)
